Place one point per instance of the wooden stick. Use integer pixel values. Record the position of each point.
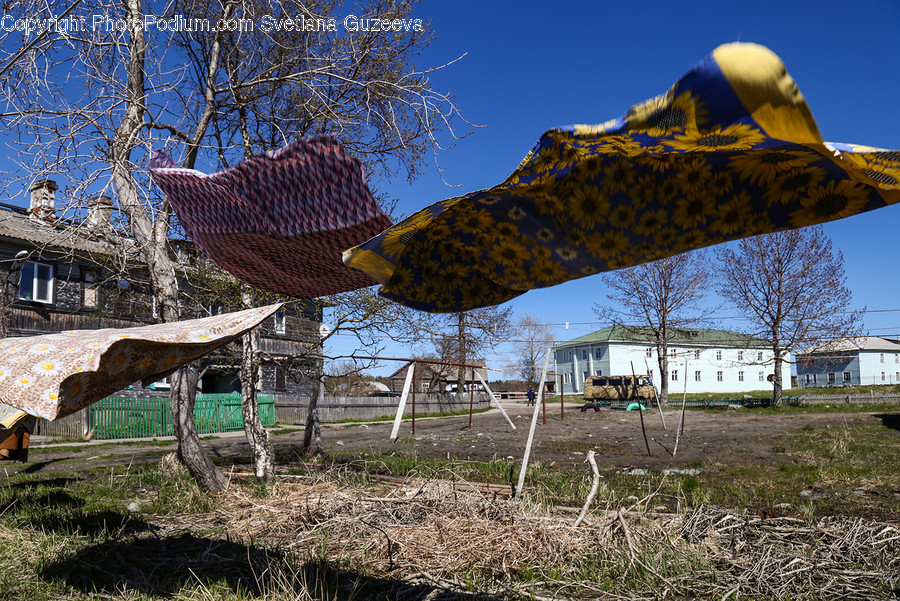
(402, 405)
(496, 400)
(680, 429)
(594, 485)
(534, 417)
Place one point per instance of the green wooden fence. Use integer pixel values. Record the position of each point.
(124, 417)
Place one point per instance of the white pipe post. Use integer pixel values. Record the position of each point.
(496, 400)
(406, 386)
(534, 418)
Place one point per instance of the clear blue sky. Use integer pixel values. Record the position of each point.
(531, 65)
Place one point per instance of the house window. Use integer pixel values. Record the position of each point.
(896, 357)
(882, 357)
(759, 356)
(90, 291)
(280, 325)
(598, 353)
(740, 355)
(280, 380)
(674, 375)
(762, 376)
(740, 376)
(846, 376)
(897, 377)
(584, 376)
(696, 376)
(673, 353)
(649, 352)
(809, 378)
(883, 378)
(599, 372)
(831, 377)
(815, 379)
(719, 376)
(697, 355)
(36, 283)
(718, 355)
(567, 378)
(426, 386)
(584, 354)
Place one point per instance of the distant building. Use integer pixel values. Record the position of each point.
(861, 360)
(436, 377)
(706, 360)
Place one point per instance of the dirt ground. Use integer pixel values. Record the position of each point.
(735, 436)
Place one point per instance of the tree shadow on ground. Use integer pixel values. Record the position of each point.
(167, 567)
(890, 420)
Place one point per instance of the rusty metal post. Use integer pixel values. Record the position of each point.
(471, 398)
(544, 403)
(562, 402)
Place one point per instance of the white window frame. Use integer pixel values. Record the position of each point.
(762, 376)
(759, 356)
(697, 376)
(649, 352)
(882, 357)
(598, 352)
(280, 322)
(718, 355)
(720, 376)
(740, 355)
(847, 376)
(35, 280)
(674, 375)
(696, 354)
(832, 377)
(740, 376)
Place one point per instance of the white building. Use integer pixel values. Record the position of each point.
(862, 360)
(705, 360)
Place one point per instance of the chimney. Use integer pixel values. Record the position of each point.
(99, 215)
(43, 197)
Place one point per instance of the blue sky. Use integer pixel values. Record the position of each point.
(530, 66)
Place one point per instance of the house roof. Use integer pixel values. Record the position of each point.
(436, 368)
(856, 343)
(643, 334)
(16, 224)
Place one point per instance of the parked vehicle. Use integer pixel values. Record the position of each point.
(616, 388)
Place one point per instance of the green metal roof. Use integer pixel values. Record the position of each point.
(706, 337)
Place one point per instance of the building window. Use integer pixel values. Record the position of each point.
(896, 357)
(831, 377)
(673, 353)
(719, 376)
(280, 325)
(280, 381)
(846, 376)
(649, 352)
(567, 378)
(759, 356)
(762, 376)
(808, 378)
(740, 376)
(674, 375)
(598, 353)
(599, 372)
(883, 378)
(740, 355)
(584, 354)
(36, 282)
(697, 355)
(696, 376)
(718, 355)
(882, 357)
(426, 386)
(897, 377)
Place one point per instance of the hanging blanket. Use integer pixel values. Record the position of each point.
(730, 151)
(279, 221)
(54, 375)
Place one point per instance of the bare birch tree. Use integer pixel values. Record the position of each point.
(661, 297)
(791, 286)
(534, 337)
(89, 105)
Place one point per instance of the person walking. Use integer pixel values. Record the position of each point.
(530, 396)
